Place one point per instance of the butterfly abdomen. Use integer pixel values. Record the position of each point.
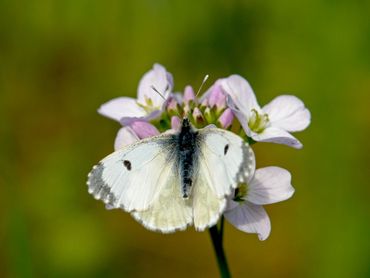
(187, 153)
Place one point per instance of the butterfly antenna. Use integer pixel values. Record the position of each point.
(162, 96)
(201, 85)
(155, 90)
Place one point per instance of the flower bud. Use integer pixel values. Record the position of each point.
(198, 116)
(141, 128)
(175, 123)
(173, 106)
(189, 95)
(204, 102)
(217, 97)
(226, 118)
(209, 115)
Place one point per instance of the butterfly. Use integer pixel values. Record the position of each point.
(176, 179)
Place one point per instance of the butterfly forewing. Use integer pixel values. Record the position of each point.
(226, 158)
(170, 211)
(132, 178)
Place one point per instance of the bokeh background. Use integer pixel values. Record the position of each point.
(59, 60)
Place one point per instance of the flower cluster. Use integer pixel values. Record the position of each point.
(231, 104)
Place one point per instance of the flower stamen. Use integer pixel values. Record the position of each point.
(258, 122)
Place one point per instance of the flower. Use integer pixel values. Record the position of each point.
(245, 211)
(133, 113)
(148, 104)
(271, 123)
(231, 104)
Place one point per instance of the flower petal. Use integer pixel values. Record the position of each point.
(161, 80)
(125, 136)
(242, 117)
(241, 93)
(152, 115)
(288, 112)
(231, 204)
(178, 96)
(118, 108)
(141, 128)
(250, 218)
(277, 135)
(270, 185)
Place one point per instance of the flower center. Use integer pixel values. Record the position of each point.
(240, 193)
(148, 105)
(258, 122)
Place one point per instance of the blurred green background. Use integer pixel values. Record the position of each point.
(59, 60)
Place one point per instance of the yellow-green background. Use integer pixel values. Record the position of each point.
(59, 60)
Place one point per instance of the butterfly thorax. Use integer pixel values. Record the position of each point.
(187, 153)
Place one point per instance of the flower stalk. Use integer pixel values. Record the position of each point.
(216, 237)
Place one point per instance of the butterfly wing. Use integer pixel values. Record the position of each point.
(225, 160)
(132, 177)
(169, 211)
(143, 178)
(206, 206)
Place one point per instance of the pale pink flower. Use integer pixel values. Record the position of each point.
(271, 123)
(245, 211)
(148, 104)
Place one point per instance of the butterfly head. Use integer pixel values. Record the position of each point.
(186, 124)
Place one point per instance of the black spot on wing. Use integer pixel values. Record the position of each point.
(226, 149)
(127, 164)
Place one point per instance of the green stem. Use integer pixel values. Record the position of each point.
(221, 230)
(216, 237)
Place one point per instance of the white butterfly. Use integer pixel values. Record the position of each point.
(176, 179)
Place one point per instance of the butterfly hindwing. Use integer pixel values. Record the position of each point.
(207, 207)
(169, 211)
